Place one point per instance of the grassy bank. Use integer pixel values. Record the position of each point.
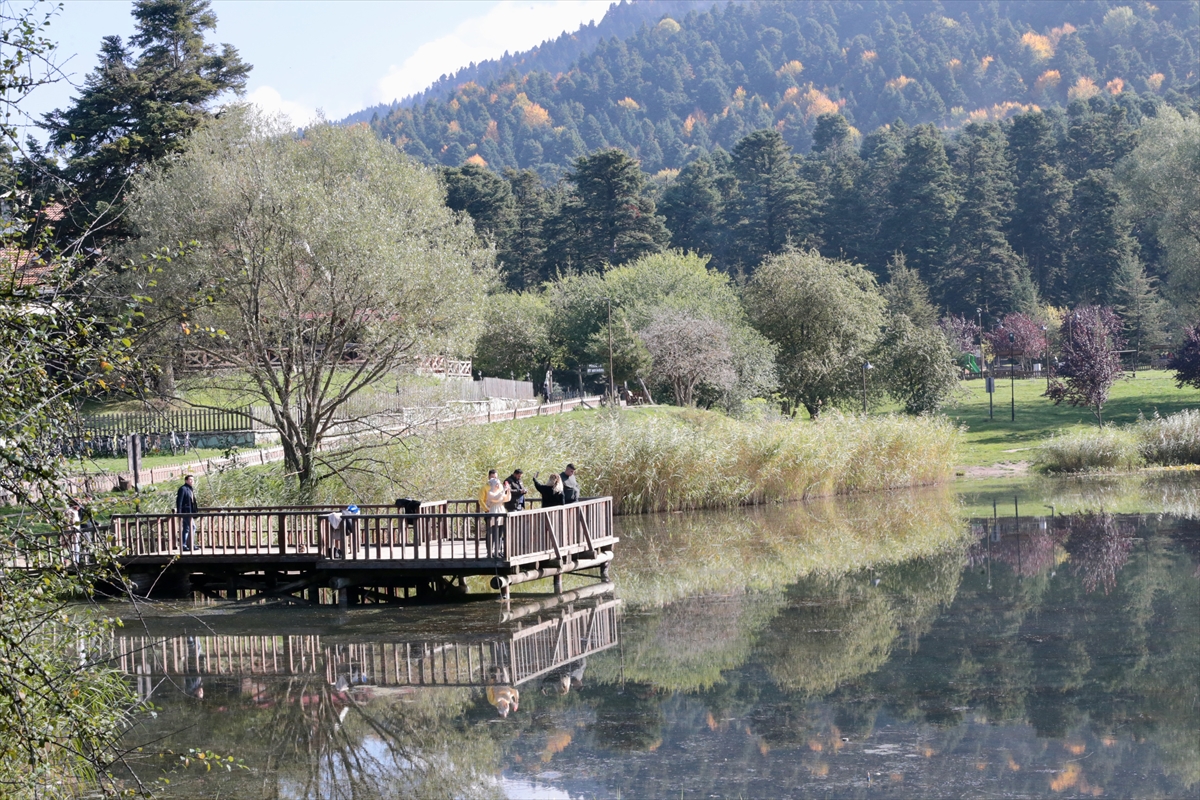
(1160, 441)
(989, 442)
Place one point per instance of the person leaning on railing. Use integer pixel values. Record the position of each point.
(187, 507)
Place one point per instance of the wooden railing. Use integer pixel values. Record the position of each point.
(511, 657)
(441, 530)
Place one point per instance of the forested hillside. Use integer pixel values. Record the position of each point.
(690, 82)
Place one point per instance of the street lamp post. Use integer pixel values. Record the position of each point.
(866, 366)
(1012, 375)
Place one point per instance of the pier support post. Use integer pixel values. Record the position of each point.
(604, 571)
(343, 597)
(558, 583)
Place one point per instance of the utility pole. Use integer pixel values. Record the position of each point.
(612, 385)
(866, 366)
(1012, 376)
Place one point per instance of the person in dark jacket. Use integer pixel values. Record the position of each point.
(517, 491)
(187, 507)
(552, 493)
(570, 486)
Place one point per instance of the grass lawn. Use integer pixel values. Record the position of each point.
(1001, 440)
(148, 461)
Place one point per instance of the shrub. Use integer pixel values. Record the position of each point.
(1171, 440)
(1103, 448)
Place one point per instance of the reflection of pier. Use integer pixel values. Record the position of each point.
(526, 650)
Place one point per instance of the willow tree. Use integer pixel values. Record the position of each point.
(309, 267)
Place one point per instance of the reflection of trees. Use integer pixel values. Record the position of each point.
(302, 737)
(835, 630)
(687, 645)
(1099, 546)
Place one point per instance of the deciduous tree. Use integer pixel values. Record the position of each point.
(823, 316)
(1089, 359)
(318, 265)
(689, 351)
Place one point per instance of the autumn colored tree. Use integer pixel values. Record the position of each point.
(1028, 337)
(1089, 359)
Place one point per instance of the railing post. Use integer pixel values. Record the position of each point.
(283, 534)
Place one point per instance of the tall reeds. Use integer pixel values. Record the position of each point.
(1163, 441)
(677, 460)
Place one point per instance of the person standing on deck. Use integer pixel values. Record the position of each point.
(517, 489)
(491, 501)
(570, 486)
(552, 494)
(187, 507)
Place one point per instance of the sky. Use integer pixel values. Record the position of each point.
(333, 57)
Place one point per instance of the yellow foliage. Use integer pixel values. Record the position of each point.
(947, 22)
(470, 89)
(1154, 82)
(868, 56)
(556, 742)
(792, 68)
(454, 127)
(739, 94)
(899, 83)
(629, 103)
(1001, 111)
(492, 132)
(1047, 80)
(1115, 86)
(534, 115)
(1067, 778)
(985, 63)
(1040, 46)
(954, 64)
(1083, 89)
(1066, 29)
(811, 101)
(667, 25)
(453, 104)
(477, 160)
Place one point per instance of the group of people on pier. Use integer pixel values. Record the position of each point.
(499, 496)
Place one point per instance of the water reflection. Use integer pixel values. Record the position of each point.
(857, 651)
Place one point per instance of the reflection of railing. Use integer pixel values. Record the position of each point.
(443, 529)
(513, 657)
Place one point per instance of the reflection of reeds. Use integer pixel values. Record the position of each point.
(674, 460)
(667, 557)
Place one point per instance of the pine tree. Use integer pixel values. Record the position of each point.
(691, 207)
(136, 109)
(907, 294)
(983, 270)
(488, 200)
(522, 254)
(1099, 240)
(1137, 302)
(772, 205)
(922, 204)
(1039, 225)
(611, 217)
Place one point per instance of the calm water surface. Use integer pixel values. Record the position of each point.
(933, 655)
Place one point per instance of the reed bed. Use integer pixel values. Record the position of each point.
(1163, 441)
(678, 460)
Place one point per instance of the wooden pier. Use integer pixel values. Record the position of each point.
(296, 551)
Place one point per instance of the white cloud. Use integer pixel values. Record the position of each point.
(271, 102)
(509, 25)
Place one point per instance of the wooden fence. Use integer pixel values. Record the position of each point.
(176, 420)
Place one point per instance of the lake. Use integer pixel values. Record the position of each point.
(913, 644)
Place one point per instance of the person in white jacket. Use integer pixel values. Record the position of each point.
(491, 501)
